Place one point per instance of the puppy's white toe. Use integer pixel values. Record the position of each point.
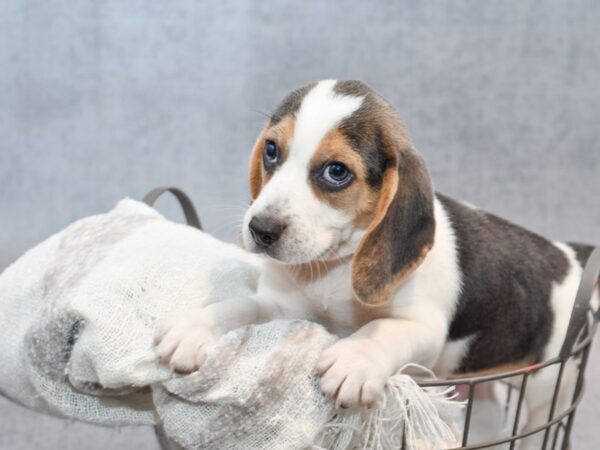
(351, 375)
(372, 391)
(183, 344)
(349, 393)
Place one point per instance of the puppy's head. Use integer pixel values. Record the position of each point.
(333, 174)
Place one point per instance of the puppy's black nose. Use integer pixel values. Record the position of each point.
(265, 231)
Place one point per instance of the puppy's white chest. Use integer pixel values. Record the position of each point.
(331, 299)
(327, 298)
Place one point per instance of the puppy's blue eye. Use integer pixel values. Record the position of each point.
(271, 153)
(336, 174)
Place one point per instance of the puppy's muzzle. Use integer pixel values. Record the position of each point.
(265, 231)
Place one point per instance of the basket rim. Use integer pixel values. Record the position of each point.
(475, 379)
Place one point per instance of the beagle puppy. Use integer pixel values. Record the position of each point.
(357, 239)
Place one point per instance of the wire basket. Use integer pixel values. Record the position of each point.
(555, 432)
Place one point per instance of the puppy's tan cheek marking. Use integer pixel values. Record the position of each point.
(358, 199)
(256, 175)
(281, 134)
(365, 206)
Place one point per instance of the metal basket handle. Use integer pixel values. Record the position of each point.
(191, 216)
(581, 307)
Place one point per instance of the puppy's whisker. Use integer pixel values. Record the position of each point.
(262, 113)
(317, 271)
(234, 222)
(232, 202)
(327, 288)
(233, 219)
(227, 205)
(236, 210)
(239, 219)
(234, 228)
(240, 206)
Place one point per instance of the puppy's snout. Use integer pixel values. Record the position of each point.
(265, 230)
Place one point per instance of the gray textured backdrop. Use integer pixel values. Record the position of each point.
(99, 100)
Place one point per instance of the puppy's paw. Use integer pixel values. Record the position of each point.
(182, 343)
(353, 373)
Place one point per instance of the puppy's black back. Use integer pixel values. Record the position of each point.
(507, 277)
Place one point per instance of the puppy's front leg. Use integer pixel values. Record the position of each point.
(183, 341)
(355, 369)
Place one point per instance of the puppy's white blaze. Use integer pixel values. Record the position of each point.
(320, 111)
(562, 299)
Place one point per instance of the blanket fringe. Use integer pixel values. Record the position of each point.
(424, 418)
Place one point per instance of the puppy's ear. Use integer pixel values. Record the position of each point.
(256, 175)
(401, 231)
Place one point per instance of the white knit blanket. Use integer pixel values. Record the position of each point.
(78, 313)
